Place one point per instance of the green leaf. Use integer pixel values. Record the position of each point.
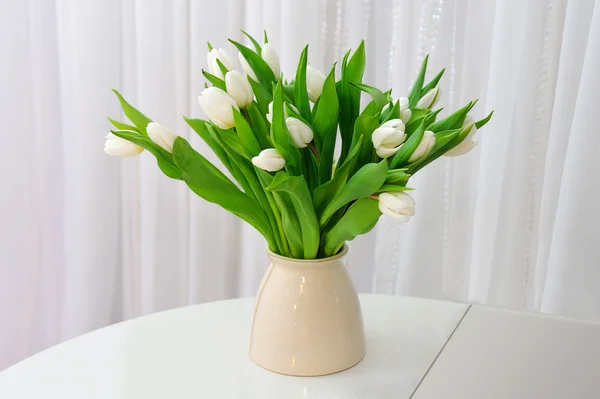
(259, 66)
(122, 126)
(230, 139)
(417, 113)
(204, 179)
(326, 192)
(266, 39)
(236, 155)
(359, 218)
(390, 188)
(415, 92)
(262, 94)
(300, 91)
(352, 71)
(393, 112)
(259, 126)
(364, 127)
(370, 227)
(281, 137)
(365, 124)
(452, 121)
(415, 123)
(443, 143)
(246, 134)
(253, 41)
(299, 194)
(309, 168)
(364, 183)
(136, 117)
(325, 126)
(163, 158)
(247, 177)
(288, 93)
(407, 149)
(327, 113)
(199, 126)
(434, 82)
(217, 82)
(484, 121)
(291, 225)
(222, 67)
(397, 177)
(378, 96)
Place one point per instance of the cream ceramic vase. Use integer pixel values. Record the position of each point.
(307, 320)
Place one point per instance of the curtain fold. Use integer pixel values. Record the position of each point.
(87, 240)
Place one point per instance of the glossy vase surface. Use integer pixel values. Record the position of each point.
(307, 320)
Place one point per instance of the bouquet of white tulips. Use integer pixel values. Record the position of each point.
(277, 139)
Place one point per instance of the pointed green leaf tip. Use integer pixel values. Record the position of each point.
(266, 38)
(256, 45)
(210, 47)
(415, 92)
(481, 123)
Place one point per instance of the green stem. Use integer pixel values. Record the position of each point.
(263, 200)
(313, 148)
(278, 220)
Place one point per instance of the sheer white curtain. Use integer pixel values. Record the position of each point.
(87, 240)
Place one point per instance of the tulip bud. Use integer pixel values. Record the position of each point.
(430, 98)
(285, 113)
(398, 205)
(405, 111)
(314, 82)
(468, 143)
(301, 133)
(161, 135)
(119, 147)
(269, 160)
(238, 88)
(247, 68)
(388, 137)
(424, 147)
(213, 66)
(270, 56)
(217, 105)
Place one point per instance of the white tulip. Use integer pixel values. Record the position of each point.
(314, 83)
(217, 105)
(398, 205)
(430, 98)
(424, 147)
(269, 160)
(285, 113)
(301, 133)
(119, 147)
(247, 68)
(405, 111)
(388, 137)
(213, 66)
(161, 136)
(270, 56)
(238, 88)
(468, 143)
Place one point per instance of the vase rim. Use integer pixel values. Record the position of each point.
(307, 262)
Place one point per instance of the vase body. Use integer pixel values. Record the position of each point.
(307, 320)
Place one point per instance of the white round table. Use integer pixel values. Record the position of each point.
(416, 348)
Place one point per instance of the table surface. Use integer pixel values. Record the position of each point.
(416, 348)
